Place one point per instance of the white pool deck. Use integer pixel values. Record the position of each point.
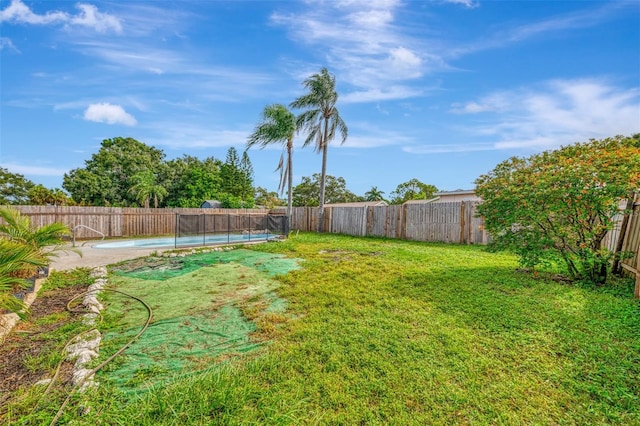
(92, 257)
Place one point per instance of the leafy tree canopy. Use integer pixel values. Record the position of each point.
(246, 178)
(306, 193)
(412, 190)
(268, 199)
(278, 125)
(40, 195)
(107, 176)
(320, 119)
(230, 174)
(126, 172)
(374, 194)
(146, 188)
(190, 181)
(561, 203)
(14, 188)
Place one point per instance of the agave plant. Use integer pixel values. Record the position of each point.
(16, 257)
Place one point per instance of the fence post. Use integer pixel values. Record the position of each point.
(636, 293)
(365, 216)
(175, 239)
(403, 222)
(462, 223)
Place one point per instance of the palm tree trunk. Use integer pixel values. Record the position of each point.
(290, 176)
(323, 175)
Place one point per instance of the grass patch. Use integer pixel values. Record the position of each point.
(382, 331)
(71, 278)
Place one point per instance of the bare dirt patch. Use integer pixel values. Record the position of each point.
(30, 340)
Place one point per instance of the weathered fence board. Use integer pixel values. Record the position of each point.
(631, 238)
(442, 222)
(455, 222)
(91, 222)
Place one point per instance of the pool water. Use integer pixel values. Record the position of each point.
(197, 240)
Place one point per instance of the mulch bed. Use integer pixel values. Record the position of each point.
(26, 340)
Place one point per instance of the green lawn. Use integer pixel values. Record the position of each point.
(395, 332)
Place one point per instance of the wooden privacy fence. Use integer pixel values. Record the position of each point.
(454, 222)
(119, 221)
(625, 237)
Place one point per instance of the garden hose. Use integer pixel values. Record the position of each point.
(105, 362)
(64, 350)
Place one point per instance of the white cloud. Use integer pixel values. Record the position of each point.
(20, 13)
(587, 18)
(110, 114)
(371, 18)
(404, 62)
(89, 16)
(363, 46)
(448, 148)
(34, 170)
(6, 42)
(380, 94)
(467, 3)
(470, 108)
(557, 112)
(492, 103)
(134, 55)
(180, 135)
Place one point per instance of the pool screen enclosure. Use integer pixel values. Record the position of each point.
(210, 229)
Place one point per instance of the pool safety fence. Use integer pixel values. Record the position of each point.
(213, 229)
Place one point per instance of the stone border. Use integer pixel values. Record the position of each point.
(8, 321)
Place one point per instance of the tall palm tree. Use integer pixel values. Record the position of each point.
(278, 126)
(145, 188)
(320, 119)
(374, 194)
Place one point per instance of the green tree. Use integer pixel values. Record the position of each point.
(230, 173)
(14, 188)
(190, 181)
(561, 203)
(268, 199)
(229, 201)
(107, 177)
(60, 198)
(321, 120)
(278, 126)
(246, 178)
(86, 188)
(412, 190)
(374, 194)
(306, 193)
(40, 195)
(145, 188)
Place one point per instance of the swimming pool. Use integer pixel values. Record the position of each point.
(197, 240)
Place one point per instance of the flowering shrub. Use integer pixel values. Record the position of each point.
(561, 203)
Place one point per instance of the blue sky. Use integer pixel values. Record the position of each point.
(441, 91)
